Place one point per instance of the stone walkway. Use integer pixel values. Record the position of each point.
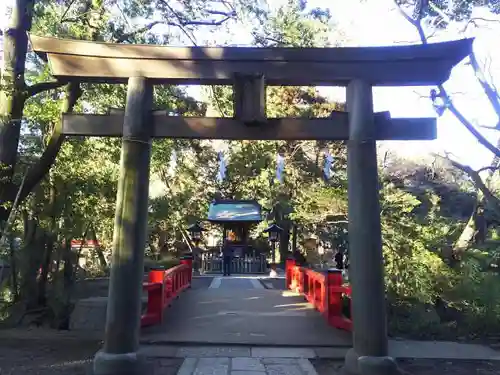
(246, 366)
(237, 360)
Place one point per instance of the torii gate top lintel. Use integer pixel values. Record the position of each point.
(413, 65)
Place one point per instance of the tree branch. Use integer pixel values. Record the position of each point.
(489, 90)
(141, 30)
(37, 88)
(444, 95)
(181, 23)
(473, 21)
(477, 181)
(418, 12)
(491, 168)
(61, 20)
(38, 171)
(468, 125)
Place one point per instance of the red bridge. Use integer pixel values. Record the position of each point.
(306, 308)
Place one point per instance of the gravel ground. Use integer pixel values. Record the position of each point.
(422, 367)
(68, 357)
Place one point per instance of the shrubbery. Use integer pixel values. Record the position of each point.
(427, 297)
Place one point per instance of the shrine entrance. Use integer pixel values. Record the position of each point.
(236, 219)
(249, 71)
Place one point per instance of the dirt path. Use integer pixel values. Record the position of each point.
(69, 357)
(53, 354)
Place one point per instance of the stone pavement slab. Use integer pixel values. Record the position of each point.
(212, 351)
(287, 355)
(246, 366)
(263, 352)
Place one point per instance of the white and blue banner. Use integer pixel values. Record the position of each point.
(280, 167)
(221, 174)
(172, 165)
(327, 168)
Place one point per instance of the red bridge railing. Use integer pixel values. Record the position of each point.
(163, 287)
(324, 290)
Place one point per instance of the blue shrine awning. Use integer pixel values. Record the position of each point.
(234, 211)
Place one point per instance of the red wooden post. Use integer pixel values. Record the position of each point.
(289, 265)
(156, 276)
(155, 295)
(188, 260)
(334, 281)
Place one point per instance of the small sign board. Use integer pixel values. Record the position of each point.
(87, 244)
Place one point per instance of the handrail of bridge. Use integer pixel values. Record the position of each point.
(163, 287)
(325, 290)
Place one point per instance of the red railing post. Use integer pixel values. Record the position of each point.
(188, 261)
(163, 287)
(335, 303)
(334, 282)
(290, 263)
(155, 295)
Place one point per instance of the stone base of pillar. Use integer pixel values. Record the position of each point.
(118, 364)
(364, 365)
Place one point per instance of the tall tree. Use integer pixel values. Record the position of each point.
(430, 16)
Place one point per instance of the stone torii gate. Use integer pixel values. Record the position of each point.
(249, 70)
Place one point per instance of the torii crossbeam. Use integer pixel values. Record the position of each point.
(249, 70)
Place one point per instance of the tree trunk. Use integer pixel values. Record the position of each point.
(12, 93)
(100, 255)
(13, 270)
(37, 172)
(284, 239)
(32, 252)
(475, 230)
(466, 238)
(49, 248)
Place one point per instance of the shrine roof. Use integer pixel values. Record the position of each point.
(228, 210)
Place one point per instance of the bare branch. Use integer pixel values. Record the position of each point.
(181, 24)
(37, 88)
(61, 20)
(491, 168)
(148, 27)
(442, 92)
(468, 125)
(222, 13)
(489, 90)
(417, 23)
(477, 181)
(474, 21)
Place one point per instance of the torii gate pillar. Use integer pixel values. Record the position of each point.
(365, 242)
(121, 344)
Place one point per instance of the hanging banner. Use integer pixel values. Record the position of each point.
(327, 168)
(172, 165)
(221, 174)
(280, 167)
